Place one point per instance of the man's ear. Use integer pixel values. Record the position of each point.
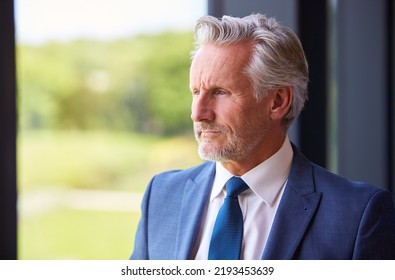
(281, 102)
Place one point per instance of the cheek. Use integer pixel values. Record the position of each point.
(228, 116)
(253, 118)
(259, 110)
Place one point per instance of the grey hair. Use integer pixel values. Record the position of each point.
(277, 60)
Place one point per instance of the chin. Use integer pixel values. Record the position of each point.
(210, 153)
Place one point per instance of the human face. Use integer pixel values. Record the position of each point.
(229, 123)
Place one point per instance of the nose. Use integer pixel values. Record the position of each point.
(202, 107)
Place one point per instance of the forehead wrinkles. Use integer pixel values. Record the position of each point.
(218, 66)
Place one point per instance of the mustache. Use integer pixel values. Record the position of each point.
(199, 127)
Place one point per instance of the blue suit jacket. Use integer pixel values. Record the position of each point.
(320, 216)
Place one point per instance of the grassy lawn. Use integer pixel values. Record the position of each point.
(75, 234)
(50, 162)
(98, 160)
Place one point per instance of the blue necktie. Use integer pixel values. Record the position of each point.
(227, 234)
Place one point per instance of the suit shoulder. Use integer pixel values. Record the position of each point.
(183, 174)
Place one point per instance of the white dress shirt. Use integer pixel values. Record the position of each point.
(258, 204)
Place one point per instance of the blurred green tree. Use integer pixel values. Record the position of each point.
(137, 84)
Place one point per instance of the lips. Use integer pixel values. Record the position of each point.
(207, 131)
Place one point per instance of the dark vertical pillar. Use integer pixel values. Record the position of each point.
(8, 208)
(312, 17)
(215, 8)
(391, 93)
(363, 86)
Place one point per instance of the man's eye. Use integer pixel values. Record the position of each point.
(221, 92)
(195, 92)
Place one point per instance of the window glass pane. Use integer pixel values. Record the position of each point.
(104, 104)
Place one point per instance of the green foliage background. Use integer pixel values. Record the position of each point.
(97, 117)
(139, 84)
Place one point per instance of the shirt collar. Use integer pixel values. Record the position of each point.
(265, 180)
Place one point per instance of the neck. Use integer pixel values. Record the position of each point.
(257, 156)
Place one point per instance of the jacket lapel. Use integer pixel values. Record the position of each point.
(194, 202)
(296, 209)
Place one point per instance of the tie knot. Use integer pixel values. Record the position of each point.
(235, 186)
